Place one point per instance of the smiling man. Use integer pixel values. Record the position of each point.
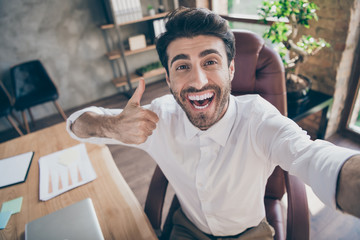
(200, 77)
(217, 150)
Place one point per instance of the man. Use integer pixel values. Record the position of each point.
(197, 136)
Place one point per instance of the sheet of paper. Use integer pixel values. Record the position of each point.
(14, 169)
(13, 206)
(4, 218)
(64, 170)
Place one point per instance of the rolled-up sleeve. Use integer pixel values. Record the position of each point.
(317, 163)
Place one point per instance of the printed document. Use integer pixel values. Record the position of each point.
(64, 170)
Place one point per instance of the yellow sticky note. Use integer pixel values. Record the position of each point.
(69, 156)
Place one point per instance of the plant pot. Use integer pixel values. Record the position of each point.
(297, 87)
(151, 12)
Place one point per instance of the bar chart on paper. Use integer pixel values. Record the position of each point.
(64, 170)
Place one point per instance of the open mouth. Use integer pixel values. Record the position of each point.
(201, 101)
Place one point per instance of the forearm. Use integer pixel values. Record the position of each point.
(90, 124)
(348, 188)
(131, 125)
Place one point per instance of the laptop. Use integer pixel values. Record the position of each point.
(77, 221)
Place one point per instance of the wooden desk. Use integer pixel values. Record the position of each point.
(119, 212)
(316, 101)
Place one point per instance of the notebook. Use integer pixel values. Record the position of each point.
(15, 169)
(77, 221)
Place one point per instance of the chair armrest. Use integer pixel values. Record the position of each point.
(298, 223)
(155, 199)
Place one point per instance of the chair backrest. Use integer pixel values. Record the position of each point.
(30, 78)
(259, 69)
(5, 101)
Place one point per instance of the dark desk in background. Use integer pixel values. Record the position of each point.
(315, 102)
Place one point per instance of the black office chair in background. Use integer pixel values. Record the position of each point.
(6, 108)
(32, 86)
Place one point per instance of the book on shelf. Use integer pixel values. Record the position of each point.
(159, 26)
(126, 10)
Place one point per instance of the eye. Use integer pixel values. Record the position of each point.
(210, 62)
(182, 67)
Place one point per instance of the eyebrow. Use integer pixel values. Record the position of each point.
(202, 54)
(178, 57)
(209, 51)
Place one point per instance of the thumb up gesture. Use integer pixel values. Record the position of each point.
(132, 126)
(135, 124)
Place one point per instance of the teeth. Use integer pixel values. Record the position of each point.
(201, 107)
(201, 97)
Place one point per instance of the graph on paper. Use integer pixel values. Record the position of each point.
(64, 170)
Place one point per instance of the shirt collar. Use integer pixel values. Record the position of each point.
(219, 132)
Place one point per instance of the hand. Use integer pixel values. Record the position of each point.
(135, 124)
(132, 126)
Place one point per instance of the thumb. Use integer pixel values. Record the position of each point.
(136, 97)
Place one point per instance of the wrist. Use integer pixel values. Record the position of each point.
(106, 126)
(348, 188)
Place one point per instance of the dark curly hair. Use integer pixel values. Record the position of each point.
(192, 22)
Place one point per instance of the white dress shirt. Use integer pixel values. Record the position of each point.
(219, 175)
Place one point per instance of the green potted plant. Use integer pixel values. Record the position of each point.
(293, 49)
(151, 10)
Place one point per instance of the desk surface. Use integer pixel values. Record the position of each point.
(119, 212)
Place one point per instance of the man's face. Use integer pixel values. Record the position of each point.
(200, 78)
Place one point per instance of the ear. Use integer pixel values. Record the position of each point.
(232, 69)
(167, 79)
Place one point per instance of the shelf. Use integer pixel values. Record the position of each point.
(116, 54)
(120, 82)
(144, 19)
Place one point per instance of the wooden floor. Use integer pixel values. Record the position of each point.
(137, 167)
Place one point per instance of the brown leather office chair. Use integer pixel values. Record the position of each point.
(258, 69)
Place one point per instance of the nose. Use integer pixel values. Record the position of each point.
(198, 78)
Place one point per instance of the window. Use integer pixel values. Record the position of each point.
(244, 6)
(246, 9)
(354, 119)
(350, 121)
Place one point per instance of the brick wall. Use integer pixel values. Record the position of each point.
(330, 69)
